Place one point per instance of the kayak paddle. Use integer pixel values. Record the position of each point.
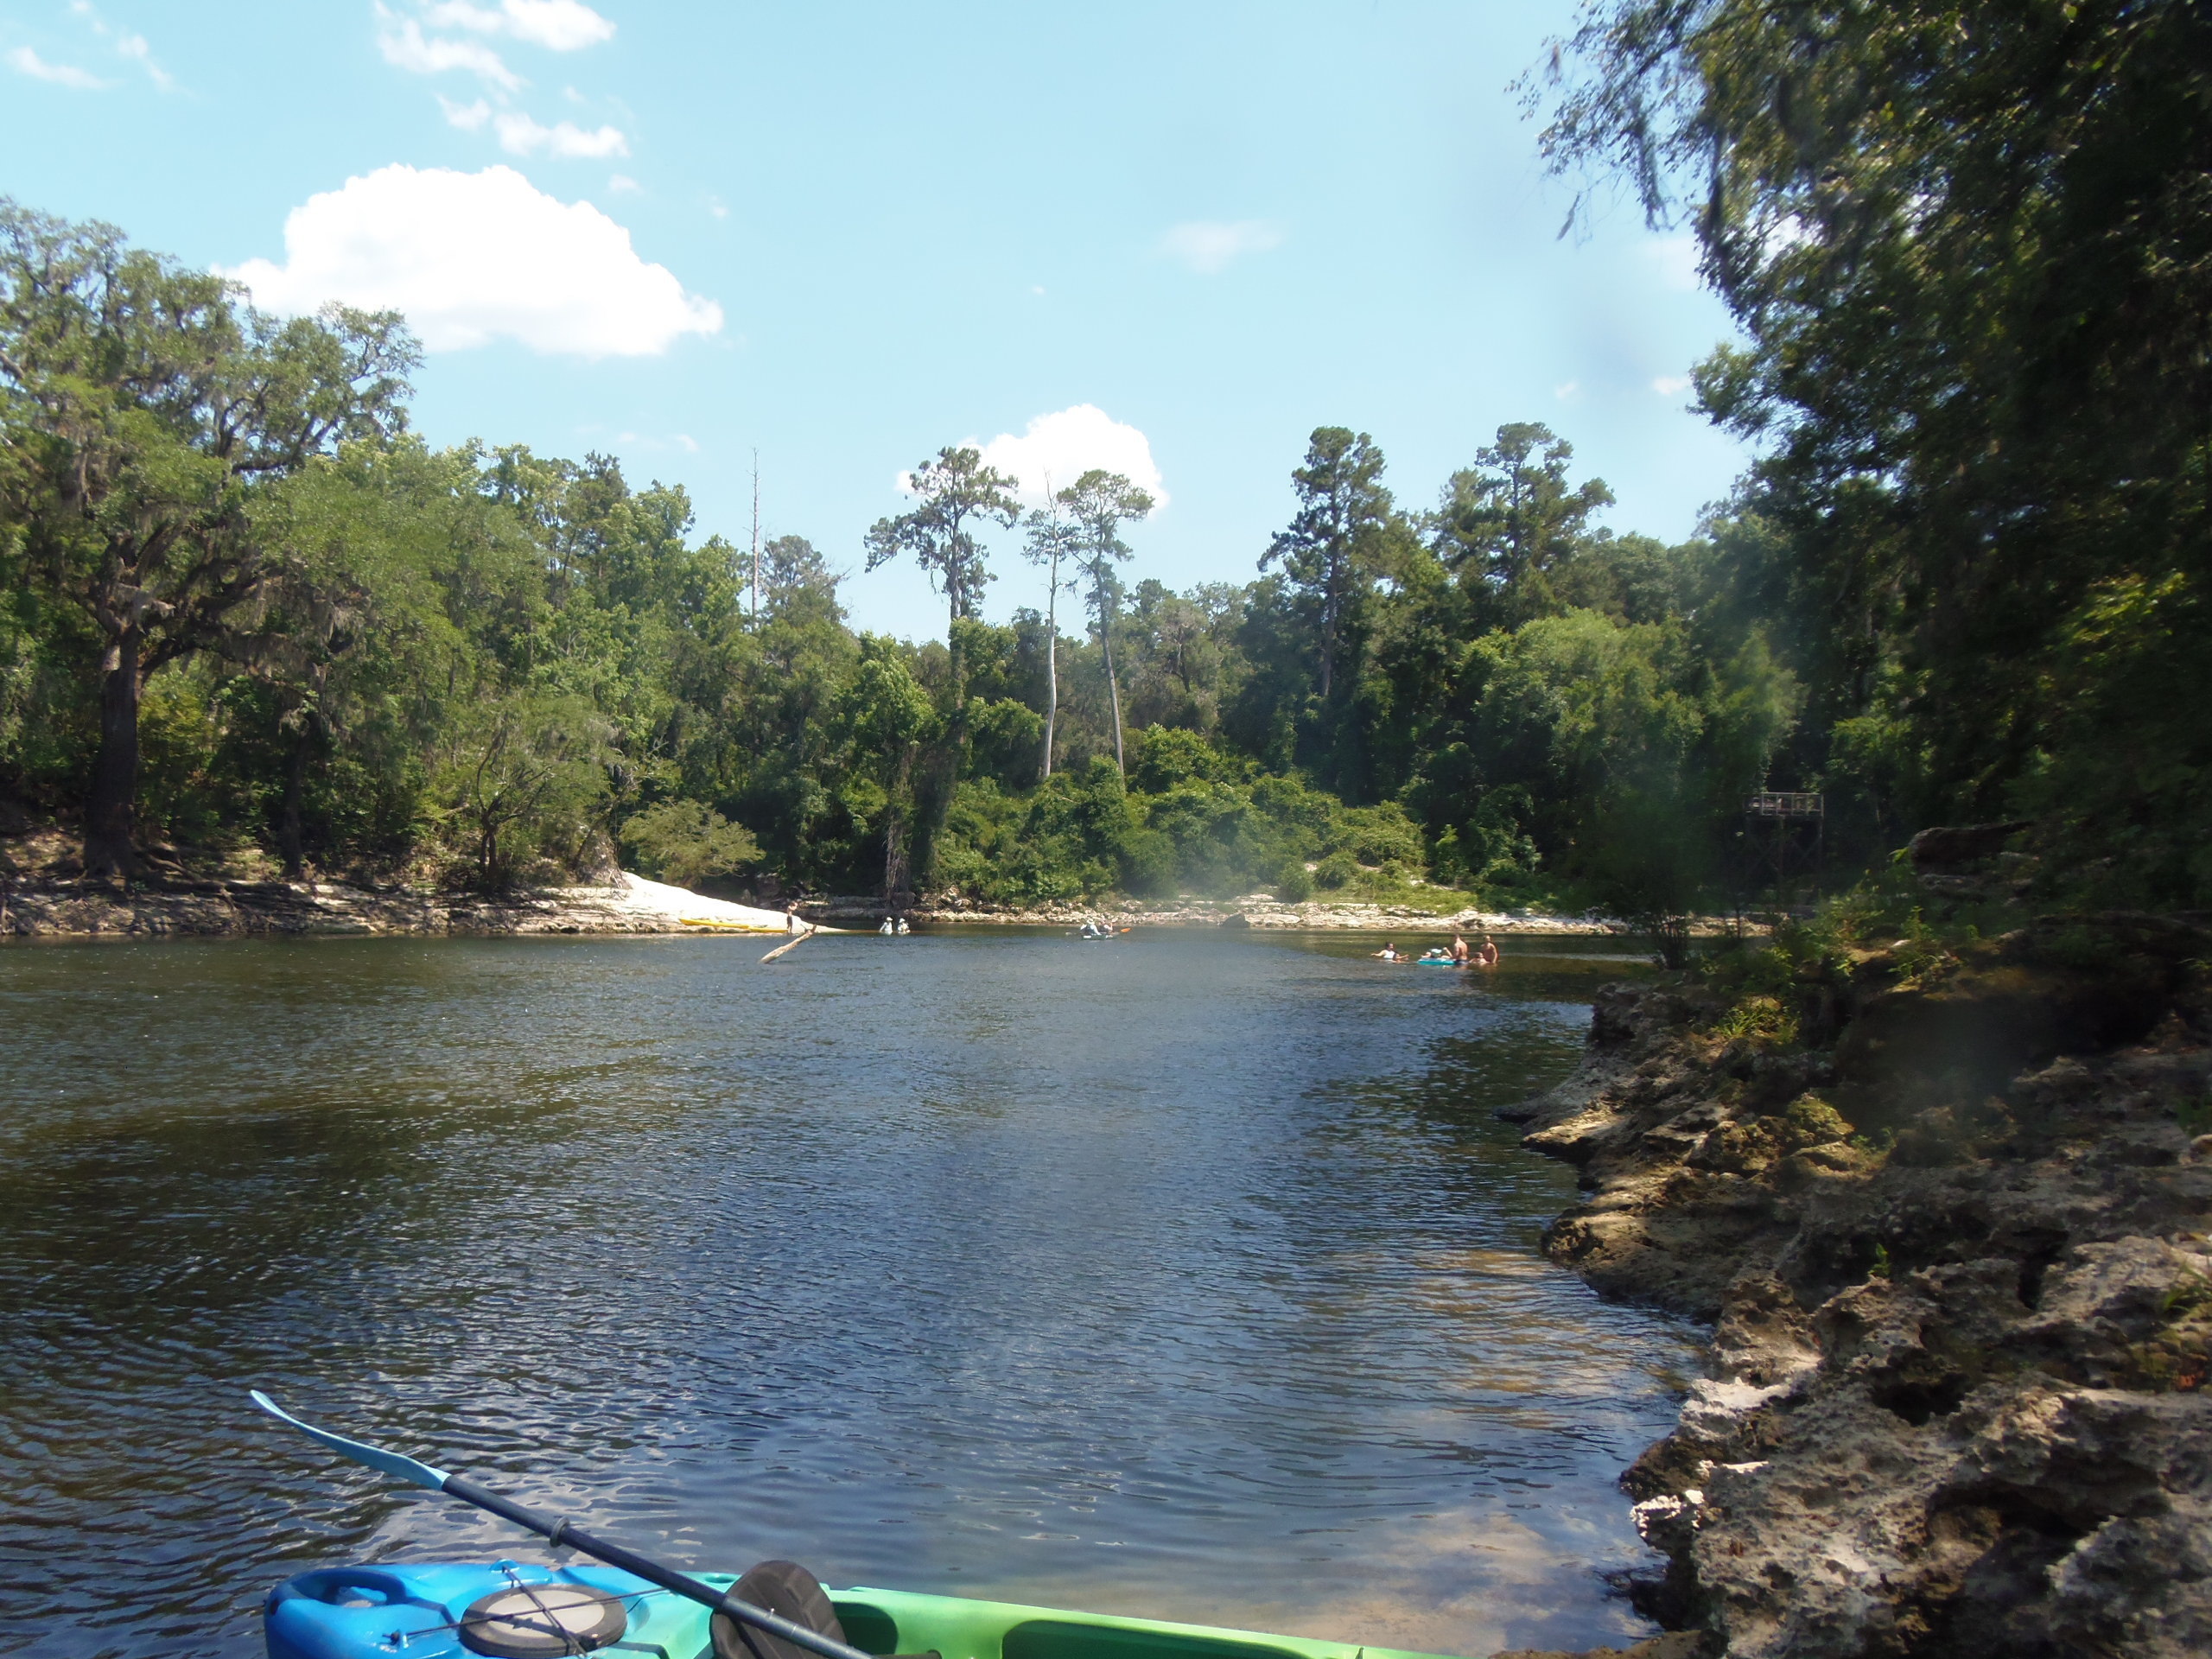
(561, 1533)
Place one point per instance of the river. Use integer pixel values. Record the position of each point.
(1185, 1275)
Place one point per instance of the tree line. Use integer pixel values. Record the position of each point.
(244, 604)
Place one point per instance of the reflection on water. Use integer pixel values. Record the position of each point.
(1184, 1275)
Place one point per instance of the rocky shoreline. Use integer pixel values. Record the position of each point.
(215, 906)
(1950, 1223)
(1258, 910)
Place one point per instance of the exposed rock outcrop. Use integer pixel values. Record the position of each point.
(1954, 1244)
(626, 904)
(212, 905)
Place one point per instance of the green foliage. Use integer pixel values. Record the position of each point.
(1760, 1019)
(1967, 247)
(147, 412)
(686, 842)
(2194, 1113)
(521, 779)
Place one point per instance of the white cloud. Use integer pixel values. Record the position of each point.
(24, 62)
(405, 46)
(134, 47)
(520, 135)
(682, 440)
(1669, 385)
(1568, 392)
(474, 257)
(1676, 258)
(621, 184)
(1065, 445)
(1207, 245)
(558, 25)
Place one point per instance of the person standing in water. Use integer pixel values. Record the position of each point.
(1488, 957)
(1459, 952)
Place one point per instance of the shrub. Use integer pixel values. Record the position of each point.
(687, 842)
(1759, 1019)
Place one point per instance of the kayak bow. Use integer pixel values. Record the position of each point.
(559, 1532)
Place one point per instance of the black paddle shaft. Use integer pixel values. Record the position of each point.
(560, 1532)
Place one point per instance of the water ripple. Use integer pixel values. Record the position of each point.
(1190, 1276)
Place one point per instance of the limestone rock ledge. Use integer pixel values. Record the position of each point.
(1957, 1402)
(216, 907)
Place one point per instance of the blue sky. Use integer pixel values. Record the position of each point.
(1173, 236)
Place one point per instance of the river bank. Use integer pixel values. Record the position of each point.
(1952, 1237)
(41, 908)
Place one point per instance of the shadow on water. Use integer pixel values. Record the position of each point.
(1187, 1276)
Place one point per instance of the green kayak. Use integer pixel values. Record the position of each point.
(446, 1612)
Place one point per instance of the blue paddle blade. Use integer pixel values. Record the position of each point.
(390, 1463)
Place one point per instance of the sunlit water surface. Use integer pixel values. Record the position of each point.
(1184, 1275)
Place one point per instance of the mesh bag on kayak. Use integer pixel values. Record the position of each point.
(541, 1621)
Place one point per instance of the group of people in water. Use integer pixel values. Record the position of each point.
(894, 925)
(1461, 955)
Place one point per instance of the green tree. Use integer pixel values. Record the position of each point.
(1967, 246)
(1098, 504)
(885, 715)
(687, 842)
(1331, 545)
(955, 494)
(145, 409)
(1510, 521)
(522, 775)
(1051, 541)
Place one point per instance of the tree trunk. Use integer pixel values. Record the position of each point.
(296, 777)
(1328, 626)
(109, 848)
(894, 857)
(934, 800)
(1052, 662)
(1113, 686)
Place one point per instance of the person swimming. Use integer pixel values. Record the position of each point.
(1389, 952)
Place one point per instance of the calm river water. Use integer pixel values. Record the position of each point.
(1185, 1275)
